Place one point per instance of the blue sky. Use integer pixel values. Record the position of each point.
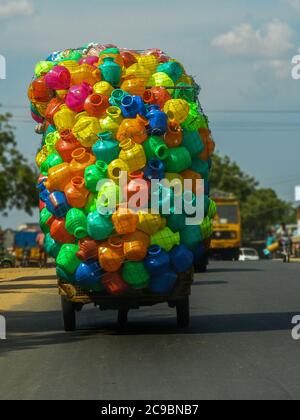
(239, 51)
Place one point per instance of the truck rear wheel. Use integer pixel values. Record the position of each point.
(69, 314)
(123, 317)
(183, 312)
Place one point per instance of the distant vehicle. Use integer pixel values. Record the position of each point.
(227, 235)
(6, 259)
(248, 254)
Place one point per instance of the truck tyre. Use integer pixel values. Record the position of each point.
(69, 315)
(123, 317)
(183, 312)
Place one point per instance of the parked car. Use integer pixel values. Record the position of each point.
(7, 260)
(248, 254)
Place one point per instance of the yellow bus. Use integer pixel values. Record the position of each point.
(227, 235)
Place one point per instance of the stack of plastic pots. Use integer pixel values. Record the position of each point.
(102, 112)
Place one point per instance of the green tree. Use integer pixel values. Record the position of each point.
(260, 208)
(17, 176)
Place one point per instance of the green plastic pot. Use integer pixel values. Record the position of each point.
(51, 247)
(67, 258)
(52, 160)
(155, 148)
(179, 160)
(93, 174)
(76, 223)
(45, 217)
(136, 275)
(192, 142)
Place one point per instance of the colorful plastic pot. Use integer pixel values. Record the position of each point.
(161, 79)
(58, 78)
(125, 221)
(212, 210)
(189, 94)
(195, 178)
(103, 88)
(150, 223)
(76, 223)
(137, 191)
(99, 227)
(117, 96)
(114, 284)
(51, 247)
(86, 130)
(133, 155)
(52, 108)
(179, 159)
(150, 62)
(85, 73)
(136, 86)
(173, 69)
(77, 96)
(136, 275)
(111, 71)
(192, 142)
(42, 68)
(66, 145)
(182, 259)
(64, 119)
(39, 92)
(177, 110)
(157, 261)
(131, 106)
(206, 228)
(166, 239)
(155, 169)
(93, 174)
(76, 193)
(59, 232)
(191, 236)
(209, 144)
(57, 204)
(115, 169)
(137, 70)
(156, 148)
(50, 141)
(111, 122)
(111, 255)
(128, 58)
(174, 135)
(201, 167)
(96, 105)
(108, 198)
(80, 161)
(106, 149)
(52, 160)
(157, 96)
(136, 246)
(158, 121)
(46, 218)
(88, 276)
(134, 128)
(67, 258)
(195, 119)
(163, 284)
(88, 249)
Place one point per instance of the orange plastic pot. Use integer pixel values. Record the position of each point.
(209, 144)
(134, 128)
(66, 145)
(195, 178)
(134, 86)
(96, 105)
(52, 108)
(111, 255)
(88, 249)
(58, 177)
(174, 134)
(157, 96)
(59, 233)
(136, 246)
(76, 193)
(81, 159)
(125, 221)
(128, 59)
(39, 91)
(114, 283)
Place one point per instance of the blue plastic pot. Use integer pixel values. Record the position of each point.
(88, 276)
(154, 170)
(157, 261)
(163, 284)
(158, 121)
(182, 259)
(132, 106)
(57, 204)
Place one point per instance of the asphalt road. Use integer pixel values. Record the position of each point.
(239, 345)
